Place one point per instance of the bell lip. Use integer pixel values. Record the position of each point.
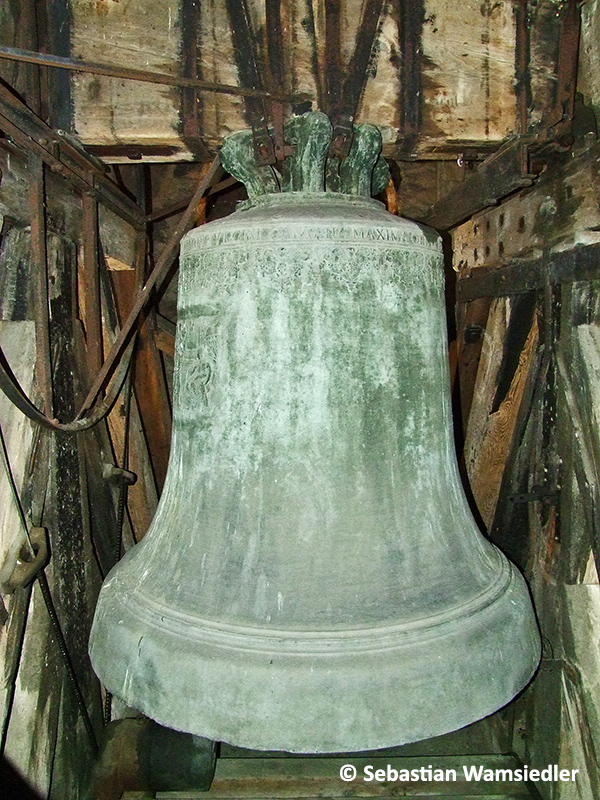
(404, 696)
(376, 638)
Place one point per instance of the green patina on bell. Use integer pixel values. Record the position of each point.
(313, 580)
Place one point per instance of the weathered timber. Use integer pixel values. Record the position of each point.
(490, 432)
(579, 512)
(154, 281)
(589, 55)
(580, 397)
(90, 280)
(38, 138)
(311, 778)
(150, 388)
(60, 62)
(498, 176)
(456, 72)
(18, 341)
(37, 204)
(471, 323)
(567, 266)
(516, 229)
(16, 284)
(72, 575)
(59, 83)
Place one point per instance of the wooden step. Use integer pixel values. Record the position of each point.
(438, 777)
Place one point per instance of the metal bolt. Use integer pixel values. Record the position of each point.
(473, 334)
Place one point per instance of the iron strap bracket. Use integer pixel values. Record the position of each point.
(545, 494)
(250, 78)
(344, 103)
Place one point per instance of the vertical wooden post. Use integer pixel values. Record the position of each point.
(91, 284)
(37, 205)
(150, 389)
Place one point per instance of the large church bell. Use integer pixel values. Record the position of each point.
(313, 580)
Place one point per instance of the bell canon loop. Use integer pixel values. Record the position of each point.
(313, 580)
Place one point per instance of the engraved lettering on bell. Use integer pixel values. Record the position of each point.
(313, 580)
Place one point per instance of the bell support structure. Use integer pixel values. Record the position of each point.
(313, 580)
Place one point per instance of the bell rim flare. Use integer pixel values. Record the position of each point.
(207, 631)
(325, 673)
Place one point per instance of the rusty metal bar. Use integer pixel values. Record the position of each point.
(357, 72)
(60, 62)
(91, 283)
(274, 47)
(356, 77)
(522, 57)
(180, 206)
(333, 55)
(274, 41)
(155, 281)
(566, 84)
(39, 256)
(35, 136)
(190, 108)
(319, 76)
(410, 15)
(250, 77)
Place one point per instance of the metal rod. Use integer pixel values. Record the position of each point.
(64, 652)
(411, 16)
(54, 621)
(275, 71)
(155, 280)
(566, 79)
(60, 62)
(522, 58)
(12, 389)
(250, 76)
(37, 207)
(175, 207)
(357, 71)
(31, 133)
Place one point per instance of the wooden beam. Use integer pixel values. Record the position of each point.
(39, 255)
(578, 264)
(91, 284)
(471, 323)
(490, 434)
(150, 387)
(498, 176)
(84, 173)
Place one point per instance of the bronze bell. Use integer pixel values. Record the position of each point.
(313, 580)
